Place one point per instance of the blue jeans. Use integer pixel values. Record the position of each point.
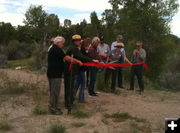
(120, 73)
(80, 80)
(93, 71)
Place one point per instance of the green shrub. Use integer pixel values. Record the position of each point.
(170, 81)
(78, 124)
(5, 126)
(57, 129)
(80, 114)
(39, 111)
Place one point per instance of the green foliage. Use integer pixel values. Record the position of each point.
(101, 84)
(23, 62)
(80, 114)
(78, 124)
(5, 126)
(7, 33)
(57, 129)
(9, 86)
(39, 111)
(169, 81)
(3, 61)
(120, 117)
(147, 21)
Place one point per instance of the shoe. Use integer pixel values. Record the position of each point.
(83, 102)
(130, 89)
(121, 87)
(93, 95)
(56, 112)
(69, 111)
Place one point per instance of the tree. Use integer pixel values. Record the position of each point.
(148, 21)
(96, 23)
(7, 33)
(67, 23)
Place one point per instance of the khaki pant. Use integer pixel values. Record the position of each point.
(54, 88)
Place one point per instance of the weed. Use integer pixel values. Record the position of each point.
(78, 124)
(105, 121)
(57, 129)
(5, 126)
(80, 114)
(39, 111)
(134, 127)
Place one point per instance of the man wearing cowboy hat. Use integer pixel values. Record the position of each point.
(74, 51)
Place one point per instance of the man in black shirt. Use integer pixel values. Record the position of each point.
(69, 76)
(55, 70)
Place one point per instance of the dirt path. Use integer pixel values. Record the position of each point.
(152, 106)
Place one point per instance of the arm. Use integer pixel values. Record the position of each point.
(126, 59)
(68, 58)
(107, 59)
(78, 55)
(142, 55)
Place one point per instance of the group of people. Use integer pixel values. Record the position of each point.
(82, 51)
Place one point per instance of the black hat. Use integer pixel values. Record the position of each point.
(102, 38)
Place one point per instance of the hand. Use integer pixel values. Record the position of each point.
(104, 55)
(95, 61)
(130, 63)
(80, 63)
(102, 63)
(137, 51)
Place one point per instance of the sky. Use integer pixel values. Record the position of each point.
(76, 10)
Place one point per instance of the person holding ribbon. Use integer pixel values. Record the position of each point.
(81, 77)
(69, 75)
(139, 55)
(93, 53)
(114, 57)
(56, 58)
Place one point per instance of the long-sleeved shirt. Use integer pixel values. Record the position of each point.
(122, 49)
(138, 58)
(77, 54)
(93, 53)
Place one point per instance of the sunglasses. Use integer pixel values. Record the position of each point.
(119, 47)
(137, 45)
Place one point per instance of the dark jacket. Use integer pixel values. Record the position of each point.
(84, 68)
(55, 62)
(77, 54)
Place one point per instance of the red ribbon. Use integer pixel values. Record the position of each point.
(110, 65)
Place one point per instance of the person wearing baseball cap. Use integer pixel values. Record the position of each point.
(73, 51)
(103, 50)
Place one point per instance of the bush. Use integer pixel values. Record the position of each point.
(78, 124)
(80, 114)
(57, 129)
(170, 81)
(10, 86)
(3, 61)
(5, 126)
(39, 111)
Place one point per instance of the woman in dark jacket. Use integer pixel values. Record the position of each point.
(81, 77)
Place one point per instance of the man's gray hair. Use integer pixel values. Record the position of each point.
(139, 42)
(95, 39)
(58, 39)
